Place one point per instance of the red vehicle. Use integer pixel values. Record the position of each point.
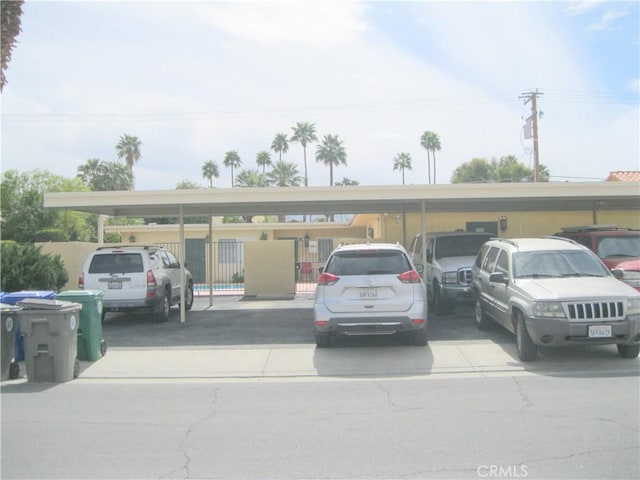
(617, 247)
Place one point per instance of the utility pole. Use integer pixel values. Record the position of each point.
(533, 98)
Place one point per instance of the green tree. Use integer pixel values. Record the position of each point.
(402, 162)
(263, 159)
(232, 160)
(284, 174)
(250, 178)
(430, 141)
(24, 218)
(187, 185)
(280, 144)
(506, 169)
(10, 14)
(129, 148)
(25, 267)
(331, 152)
(304, 133)
(477, 170)
(102, 176)
(346, 182)
(210, 170)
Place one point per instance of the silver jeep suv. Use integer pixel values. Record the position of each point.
(136, 278)
(552, 292)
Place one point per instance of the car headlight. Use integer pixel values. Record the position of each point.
(548, 309)
(450, 277)
(633, 306)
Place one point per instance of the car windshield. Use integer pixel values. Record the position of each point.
(459, 245)
(116, 263)
(368, 262)
(557, 263)
(620, 246)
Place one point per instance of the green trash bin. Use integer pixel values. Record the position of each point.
(50, 331)
(91, 345)
(9, 325)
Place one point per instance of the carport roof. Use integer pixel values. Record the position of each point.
(357, 199)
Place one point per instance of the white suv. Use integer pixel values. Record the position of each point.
(370, 289)
(552, 292)
(136, 278)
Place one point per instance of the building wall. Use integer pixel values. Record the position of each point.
(264, 273)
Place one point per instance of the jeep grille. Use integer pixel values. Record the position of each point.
(596, 310)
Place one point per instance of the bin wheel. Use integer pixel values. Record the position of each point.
(14, 370)
(103, 347)
(76, 368)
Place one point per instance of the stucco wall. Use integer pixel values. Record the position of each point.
(269, 268)
(73, 254)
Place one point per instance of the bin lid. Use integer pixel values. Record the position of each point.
(82, 296)
(45, 304)
(8, 308)
(14, 297)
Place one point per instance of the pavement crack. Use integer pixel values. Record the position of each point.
(527, 401)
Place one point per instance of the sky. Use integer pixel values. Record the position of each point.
(193, 80)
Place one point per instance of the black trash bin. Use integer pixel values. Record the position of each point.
(50, 330)
(9, 324)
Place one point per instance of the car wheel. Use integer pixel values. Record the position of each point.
(188, 297)
(628, 351)
(323, 340)
(527, 350)
(419, 337)
(163, 314)
(481, 318)
(103, 347)
(14, 370)
(440, 306)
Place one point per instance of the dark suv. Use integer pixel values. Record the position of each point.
(617, 247)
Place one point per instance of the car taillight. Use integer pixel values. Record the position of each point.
(81, 281)
(327, 279)
(410, 276)
(151, 284)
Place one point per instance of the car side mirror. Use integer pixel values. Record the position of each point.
(618, 273)
(419, 267)
(320, 269)
(498, 277)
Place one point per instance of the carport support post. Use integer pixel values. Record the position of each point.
(210, 262)
(423, 239)
(183, 312)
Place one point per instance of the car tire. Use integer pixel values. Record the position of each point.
(14, 370)
(165, 307)
(103, 347)
(628, 351)
(188, 297)
(440, 306)
(527, 350)
(323, 340)
(481, 318)
(419, 338)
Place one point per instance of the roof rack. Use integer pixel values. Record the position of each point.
(506, 240)
(113, 247)
(565, 239)
(591, 228)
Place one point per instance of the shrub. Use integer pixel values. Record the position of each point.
(25, 267)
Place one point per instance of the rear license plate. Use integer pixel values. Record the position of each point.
(599, 331)
(369, 293)
(115, 285)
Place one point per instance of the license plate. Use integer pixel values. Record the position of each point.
(369, 293)
(115, 285)
(599, 331)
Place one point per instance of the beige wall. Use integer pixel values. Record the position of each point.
(73, 254)
(269, 268)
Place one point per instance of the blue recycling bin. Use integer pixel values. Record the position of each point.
(12, 298)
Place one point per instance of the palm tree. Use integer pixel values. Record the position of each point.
(284, 174)
(210, 170)
(129, 148)
(280, 144)
(402, 162)
(250, 178)
(431, 142)
(346, 182)
(263, 159)
(89, 170)
(331, 152)
(304, 133)
(232, 160)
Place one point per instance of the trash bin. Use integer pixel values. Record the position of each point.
(9, 324)
(91, 345)
(12, 298)
(50, 330)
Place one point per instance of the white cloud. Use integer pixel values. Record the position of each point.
(608, 18)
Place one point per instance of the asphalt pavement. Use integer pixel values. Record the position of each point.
(234, 337)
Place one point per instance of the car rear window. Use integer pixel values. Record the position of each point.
(368, 262)
(116, 263)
